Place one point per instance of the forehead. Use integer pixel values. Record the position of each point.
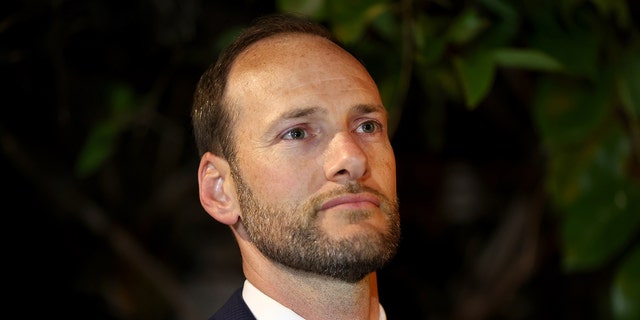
(287, 50)
(279, 66)
(283, 59)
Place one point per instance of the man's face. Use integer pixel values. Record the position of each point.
(315, 170)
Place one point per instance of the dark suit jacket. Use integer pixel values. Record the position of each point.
(234, 309)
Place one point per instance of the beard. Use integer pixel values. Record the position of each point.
(290, 234)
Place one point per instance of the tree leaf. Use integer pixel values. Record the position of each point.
(617, 9)
(525, 59)
(629, 82)
(476, 73)
(505, 22)
(312, 8)
(98, 147)
(604, 217)
(100, 143)
(625, 289)
(429, 46)
(350, 19)
(466, 26)
(577, 49)
(567, 112)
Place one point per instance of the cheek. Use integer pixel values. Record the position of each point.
(384, 170)
(277, 180)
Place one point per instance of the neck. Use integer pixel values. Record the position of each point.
(312, 296)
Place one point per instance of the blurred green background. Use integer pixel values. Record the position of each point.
(516, 126)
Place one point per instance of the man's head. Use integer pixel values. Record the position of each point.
(303, 167)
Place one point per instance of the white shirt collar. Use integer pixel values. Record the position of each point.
(264, 307)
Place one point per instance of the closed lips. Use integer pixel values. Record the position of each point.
(352, 199)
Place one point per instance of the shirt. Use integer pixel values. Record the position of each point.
(264, 307)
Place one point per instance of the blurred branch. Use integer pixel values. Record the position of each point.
(67, 197)
(505, 264)
(406, 69)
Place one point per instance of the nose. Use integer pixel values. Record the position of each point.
(345, 160)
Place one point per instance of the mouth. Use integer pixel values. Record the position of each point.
(353, 201)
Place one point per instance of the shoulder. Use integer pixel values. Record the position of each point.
(234, 309)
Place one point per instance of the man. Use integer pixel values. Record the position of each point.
(296, 159)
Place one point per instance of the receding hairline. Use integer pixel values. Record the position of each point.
(253, 56)
(283, 39)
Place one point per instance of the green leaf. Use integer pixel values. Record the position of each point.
(505, 23)
(567, 112)
(625, 289)
(617, 9)
(388, 87)
(100, 143)
(226, 38)
(577, 49)
(525, 59)
(476, 73)
(312, 8)
(430, 47)
(466, 27)
(629, 82)
(98, 147)
(387, 26)
(122, 100)
(350, 19)
(604, 217)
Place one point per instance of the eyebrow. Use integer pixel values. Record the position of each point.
(299, 112)
(303, 112)
(368, 108)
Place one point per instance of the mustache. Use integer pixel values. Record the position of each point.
(352, 188)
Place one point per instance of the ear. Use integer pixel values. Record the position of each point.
(217, 192)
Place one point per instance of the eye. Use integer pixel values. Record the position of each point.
(369, 127)
(295, 134)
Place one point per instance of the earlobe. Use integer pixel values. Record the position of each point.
(217, 194)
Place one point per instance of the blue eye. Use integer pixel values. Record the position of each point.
(295, 134)
(369, 127)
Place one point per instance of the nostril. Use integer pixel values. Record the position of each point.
(341, 172)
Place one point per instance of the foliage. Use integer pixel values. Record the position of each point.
(580, 61)
(101, 142)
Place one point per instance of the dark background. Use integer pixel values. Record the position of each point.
(131, 241)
